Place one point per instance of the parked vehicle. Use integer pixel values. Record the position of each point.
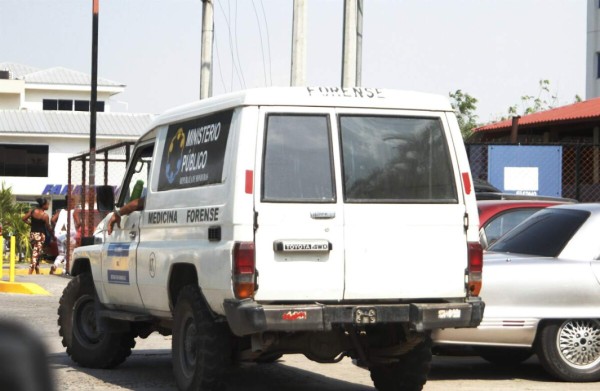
(497, 217)
(486, 191)
(542, 294)
(285, 220)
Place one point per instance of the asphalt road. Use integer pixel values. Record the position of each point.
(149, 367)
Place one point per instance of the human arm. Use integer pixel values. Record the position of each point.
(27, 217)
(55, 217)
(132, 206)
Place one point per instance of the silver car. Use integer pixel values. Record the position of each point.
(541, 286)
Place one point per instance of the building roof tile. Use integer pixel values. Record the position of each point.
(70, 123)
(585, 110)
(55, 75)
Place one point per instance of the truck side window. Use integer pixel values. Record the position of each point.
(138, 175)
(297, 159)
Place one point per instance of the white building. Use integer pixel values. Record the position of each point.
(45, 120)
(592, 89)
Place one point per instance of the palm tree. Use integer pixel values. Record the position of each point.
(12, 224)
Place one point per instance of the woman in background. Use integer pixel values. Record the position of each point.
(40, 227)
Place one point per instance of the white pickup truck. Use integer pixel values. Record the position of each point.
(329, 222)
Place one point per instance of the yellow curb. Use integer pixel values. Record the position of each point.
(27, 288)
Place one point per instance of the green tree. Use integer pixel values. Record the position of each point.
(544, 100)
(464, 105)
(12, 223)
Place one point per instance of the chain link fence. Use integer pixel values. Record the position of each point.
(579, 168)
(110, 167)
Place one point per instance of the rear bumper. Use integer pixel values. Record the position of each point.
(248, 317)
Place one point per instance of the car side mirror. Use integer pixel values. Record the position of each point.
(105, 198)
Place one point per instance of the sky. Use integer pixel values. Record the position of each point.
(494, 50)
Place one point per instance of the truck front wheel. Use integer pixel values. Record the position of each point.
(85, 343)
(409, 373)
(201, 346)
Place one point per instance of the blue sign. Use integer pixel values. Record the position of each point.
(526, 169)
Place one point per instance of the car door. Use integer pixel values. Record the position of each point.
(404, 219)
(299, 235)
(119, 253)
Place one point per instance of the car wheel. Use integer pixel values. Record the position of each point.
(201, 346)
(85, 343)
(570, 350)
(503, 356)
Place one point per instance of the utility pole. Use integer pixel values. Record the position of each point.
(88, 224)
(206, 56)
(359, 37)
(298, 75)
(352, 45)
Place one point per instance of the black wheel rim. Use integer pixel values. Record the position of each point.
(84, 318)
(188, 347)
(578, 343)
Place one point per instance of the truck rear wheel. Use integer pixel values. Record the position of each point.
(86, 345)
(409, 373)
(201, 346)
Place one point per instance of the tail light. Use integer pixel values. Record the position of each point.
(475, 268)
(244, 270)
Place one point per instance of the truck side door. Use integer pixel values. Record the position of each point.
(119, 261)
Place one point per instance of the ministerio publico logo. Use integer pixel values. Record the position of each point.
(175, 155)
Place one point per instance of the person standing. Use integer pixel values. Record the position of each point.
(61, 223)
(39, 221)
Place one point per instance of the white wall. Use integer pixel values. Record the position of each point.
(34, 98)
(60, 149)
(593, 47)
(10, 101)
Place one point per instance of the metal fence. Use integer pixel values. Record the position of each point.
(110, 167)
(580, 168)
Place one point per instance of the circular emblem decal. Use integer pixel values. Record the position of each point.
(152, 264)
(175, 155)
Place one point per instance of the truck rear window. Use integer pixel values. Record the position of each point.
(396, 160)
(297, 161)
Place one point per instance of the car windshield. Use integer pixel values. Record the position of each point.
(545, 233)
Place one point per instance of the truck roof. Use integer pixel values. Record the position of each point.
(359, 97)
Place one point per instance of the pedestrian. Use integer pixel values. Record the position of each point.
(64, 222)
(40, 228)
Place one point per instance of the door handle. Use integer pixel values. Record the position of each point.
(132, 235)
(322, 215)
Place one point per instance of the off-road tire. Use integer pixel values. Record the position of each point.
(409, 373)
(268, 358)
(570, 349)
(503, 356)
(200, 345)
(85, 344)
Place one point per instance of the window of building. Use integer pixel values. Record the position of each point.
(50, 104)
(65, 105)
(23, 160)
(70, 105)
(82, 105)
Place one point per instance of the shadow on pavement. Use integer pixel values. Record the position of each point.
(476, 368)
(152, 370)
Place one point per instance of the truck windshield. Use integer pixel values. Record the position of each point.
(396, 159)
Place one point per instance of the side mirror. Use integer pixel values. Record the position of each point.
(105, 198)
